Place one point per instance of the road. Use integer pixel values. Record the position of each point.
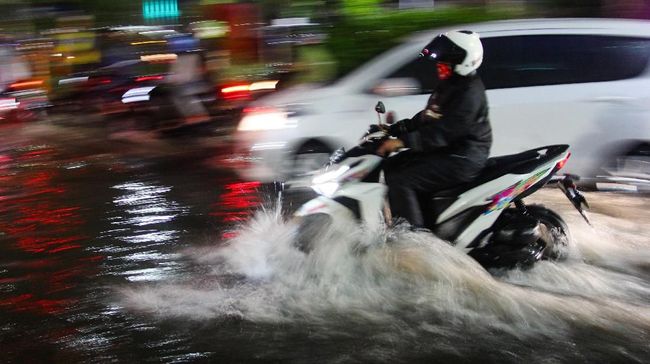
(131, 248)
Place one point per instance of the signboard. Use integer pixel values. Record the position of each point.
(156, 9)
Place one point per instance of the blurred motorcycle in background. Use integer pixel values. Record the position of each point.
(24, 101)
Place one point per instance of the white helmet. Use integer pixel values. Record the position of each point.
(460, 48)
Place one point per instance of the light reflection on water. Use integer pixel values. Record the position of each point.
(145, 215)
(41, 230)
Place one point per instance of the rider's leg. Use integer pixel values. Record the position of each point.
(422, 174)
(404, 204)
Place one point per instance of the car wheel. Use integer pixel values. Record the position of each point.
(309, 157)
(632, 168)
(636, 163)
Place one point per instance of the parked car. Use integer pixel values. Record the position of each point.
(582, 82)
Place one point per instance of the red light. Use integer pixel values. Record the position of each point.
(259, 109)
(99, 81)
(229, 235)
(238, 203)
(26, 84)
(148, 78)
(236, 88)
(561, 163)
(236, 92)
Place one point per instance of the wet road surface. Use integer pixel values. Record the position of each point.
(125, 247)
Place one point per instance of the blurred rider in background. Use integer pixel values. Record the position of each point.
(188, 79)
(450, 139)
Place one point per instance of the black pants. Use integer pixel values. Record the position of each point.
(410, 175)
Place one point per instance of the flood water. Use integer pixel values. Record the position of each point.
(135, 249)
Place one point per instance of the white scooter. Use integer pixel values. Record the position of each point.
(486, 217)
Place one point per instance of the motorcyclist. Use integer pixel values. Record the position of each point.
(450, 139)
(188, 79)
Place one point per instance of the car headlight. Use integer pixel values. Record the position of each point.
(265, 119)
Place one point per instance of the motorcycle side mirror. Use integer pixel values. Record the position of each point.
(380, 108)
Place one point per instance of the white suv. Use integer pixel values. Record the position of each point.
(582, 82)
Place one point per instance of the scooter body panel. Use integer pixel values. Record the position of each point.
(495, 195)
(358, 200)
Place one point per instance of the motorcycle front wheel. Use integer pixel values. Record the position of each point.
(310, 228)
(555, 232)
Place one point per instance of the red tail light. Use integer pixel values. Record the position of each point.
(148, 78)
(99, 81)
(236, 92)
(244, 91)
(26, 84)
(561, 163)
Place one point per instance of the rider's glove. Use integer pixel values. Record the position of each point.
(374, 128)
(398, 129)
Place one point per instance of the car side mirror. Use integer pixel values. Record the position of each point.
(401, 86)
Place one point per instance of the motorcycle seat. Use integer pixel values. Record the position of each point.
(520, 163)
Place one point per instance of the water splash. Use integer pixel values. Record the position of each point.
(398, 278)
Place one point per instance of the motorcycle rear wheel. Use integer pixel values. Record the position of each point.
(555, 232)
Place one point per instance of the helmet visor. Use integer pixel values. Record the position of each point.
(442, 49)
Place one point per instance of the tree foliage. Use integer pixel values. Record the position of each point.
(356, 39)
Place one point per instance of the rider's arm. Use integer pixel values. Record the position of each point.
(437, 130)
(400, 128)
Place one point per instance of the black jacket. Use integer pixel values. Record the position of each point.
(455, 121)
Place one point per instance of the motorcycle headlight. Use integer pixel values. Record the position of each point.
(256, 119)
(327, 183)
(330, 176)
